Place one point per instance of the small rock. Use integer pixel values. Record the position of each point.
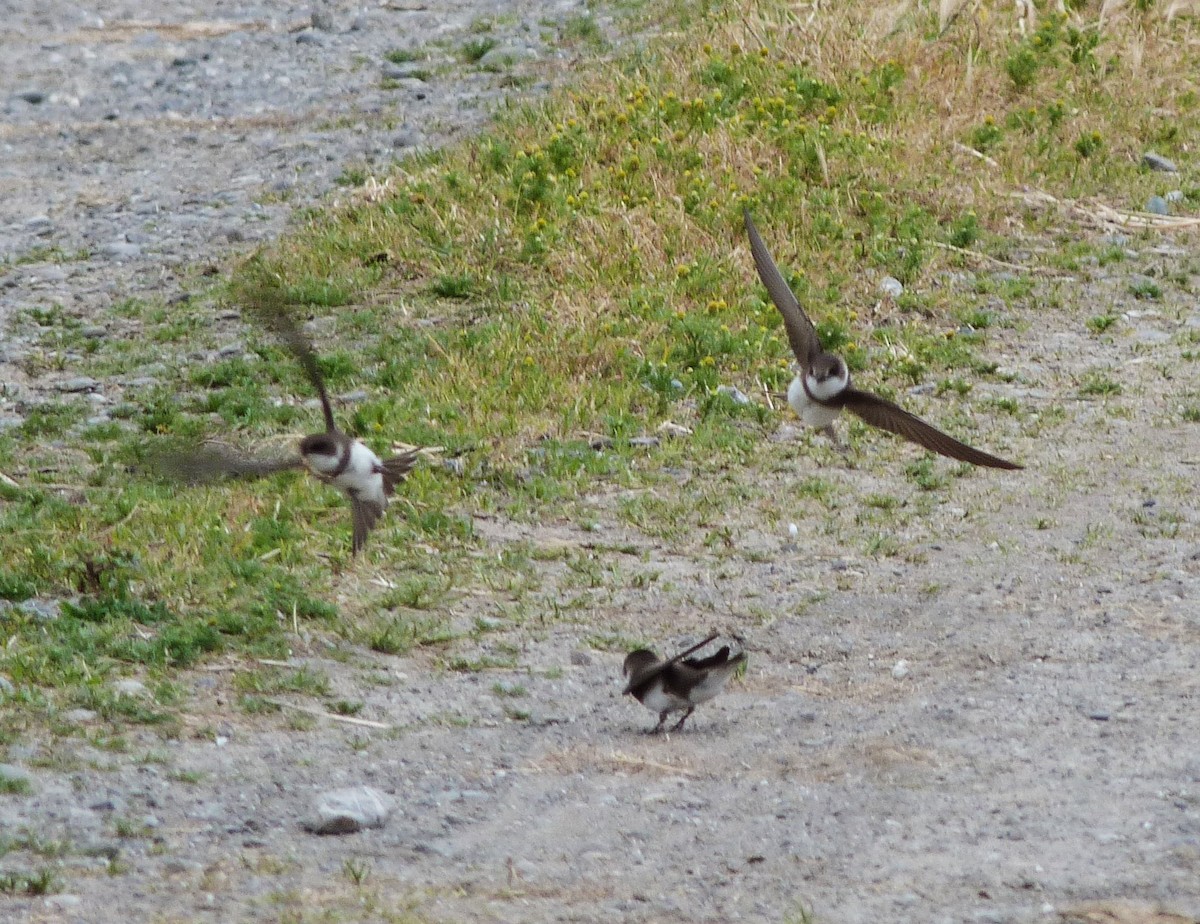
(39, 225)
(508, 55)
(1158, 162)
(1157, 205)
(323, 20)
(78, 384)
(408, 138)
(6, 687)
(42, 610)
(581, 659)
(671, 428)
(404, 69)
(1175, 195)
(1099, 716)
(79, 716)
(62, 901)
(344, 811)
(309, 38)
(94, 331)
(455, 466)
(129, 687)
(900, 669)
(358, 396)
(33, 97)
(644, 442)
(793, 530)
(736, 395)
(121, 249)
(891, 286)
(237, 348)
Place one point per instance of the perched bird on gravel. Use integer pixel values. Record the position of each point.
(333, 456)
(678, 684)
(822, 389)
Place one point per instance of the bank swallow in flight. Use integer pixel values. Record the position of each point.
(822, 389)
(678, 684)
(332, 456)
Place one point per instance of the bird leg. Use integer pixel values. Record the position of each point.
(662, 718)
(678, 726)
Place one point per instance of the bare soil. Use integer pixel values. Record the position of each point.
(992, 716)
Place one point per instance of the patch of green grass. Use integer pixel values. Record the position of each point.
(1145, 289)
(1097, 383)
(272, 680)
(44, 882)
(14, 785)
(1098, 324)
(474, 49)
(404, 55)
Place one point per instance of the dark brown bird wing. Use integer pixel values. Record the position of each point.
(209, 463)
(365, 515)
(885, 415)
(800, 331)
(278, 317)
(713, 660)
(395, 469)
(643, 677)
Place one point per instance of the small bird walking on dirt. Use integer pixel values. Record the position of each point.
(822, 389)
(678, 684)
(333, 456)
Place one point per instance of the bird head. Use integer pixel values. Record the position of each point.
(321, 452)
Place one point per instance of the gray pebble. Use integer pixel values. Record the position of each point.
(80, 716)
(508, 55)
(39, 225)
(237, 348)
(581, 659)
(354, 397)
(94, 331)
(121, 249)
(644, 442)
(42, 610)
(1175, 195)
(309, 38)
(10, 423)
(1157, 205)
(33, 97)
(6, 687)
(404, 69)
(891, 286)
(735, 394)
(455, 466)
(129, 687)
(344, 811)
(78, 385)
(1158, 162)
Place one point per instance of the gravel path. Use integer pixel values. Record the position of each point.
(140, 141)
(998, 725)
